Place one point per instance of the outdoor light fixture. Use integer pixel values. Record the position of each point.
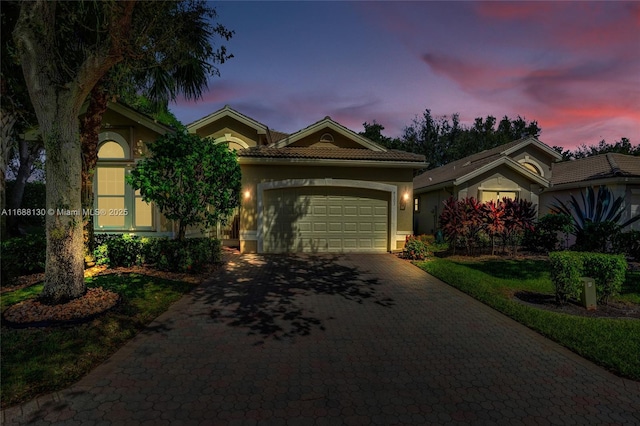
(247, 194)
(403, 201)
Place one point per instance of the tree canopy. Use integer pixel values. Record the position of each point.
(192, 180)
(623, 146)
(65, 49)
(444, 139)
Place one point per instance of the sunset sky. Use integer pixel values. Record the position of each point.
(572, 66)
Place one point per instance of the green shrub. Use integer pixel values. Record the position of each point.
(545, 235)
(416, 248)
(118, 250)
(628, 243)
(597, 237)
(608, 271)
(189, 255)
(567, 267)
(23, 256)
(566, 270)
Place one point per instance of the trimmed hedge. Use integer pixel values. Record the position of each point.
(190, 255)
(608, 271)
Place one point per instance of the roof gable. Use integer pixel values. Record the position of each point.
(327, 125)
(461, 170)
(227, 111)
(136, 116)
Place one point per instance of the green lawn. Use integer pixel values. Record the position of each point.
(36, 361)
(612, 343)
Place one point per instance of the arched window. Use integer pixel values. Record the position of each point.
(327, 138)
(118, 206)
(531, 168)
(531, 165)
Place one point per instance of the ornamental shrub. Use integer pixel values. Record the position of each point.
(567, 267)
(416, 248)
(117, 250)
(566, 270)
(545, 237)
(189, 255)
(124, 251)
(608, 271)
(597, 236)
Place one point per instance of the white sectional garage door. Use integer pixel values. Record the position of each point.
(325, 219)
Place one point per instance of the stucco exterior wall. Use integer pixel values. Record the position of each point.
(501, 178)
(338, 140)
(430, 207)
(227, 125)
(535, 156)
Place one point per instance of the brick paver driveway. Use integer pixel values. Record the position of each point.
(353, 339)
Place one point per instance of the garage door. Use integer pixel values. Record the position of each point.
(325, 219)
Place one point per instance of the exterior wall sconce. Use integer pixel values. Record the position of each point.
(247, 195)
(403, 201)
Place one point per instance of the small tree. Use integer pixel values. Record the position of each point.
(493, 221)
(192, 180)
(519, 216)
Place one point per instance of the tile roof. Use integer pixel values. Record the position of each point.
(596, 167)
(329, 154)
(459, 168)
(276, 136)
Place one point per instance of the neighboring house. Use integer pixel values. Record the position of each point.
(527, 169)
(122, 140)
(321, 189)
(620, 173)
(519, 169)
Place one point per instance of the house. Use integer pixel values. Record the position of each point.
(323, 188)
(526, 169)
(620, 173)
(519, 169)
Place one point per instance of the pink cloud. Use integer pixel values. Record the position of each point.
(473, 75)
(513, 10)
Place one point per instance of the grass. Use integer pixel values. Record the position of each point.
(611, 343)
(35, 361)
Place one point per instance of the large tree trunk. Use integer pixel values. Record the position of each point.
(57, 95)
(64, 276)
(89, 131)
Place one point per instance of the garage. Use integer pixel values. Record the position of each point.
(325, 220)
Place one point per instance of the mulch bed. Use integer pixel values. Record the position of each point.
(96, 301)
(33, 313)
(548, 302)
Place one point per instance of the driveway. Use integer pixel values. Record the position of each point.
(343, 339)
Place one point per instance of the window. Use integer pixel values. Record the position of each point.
(497, 195)
(531, 168)
(416, 204)
(326, 137)
(119, 207)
